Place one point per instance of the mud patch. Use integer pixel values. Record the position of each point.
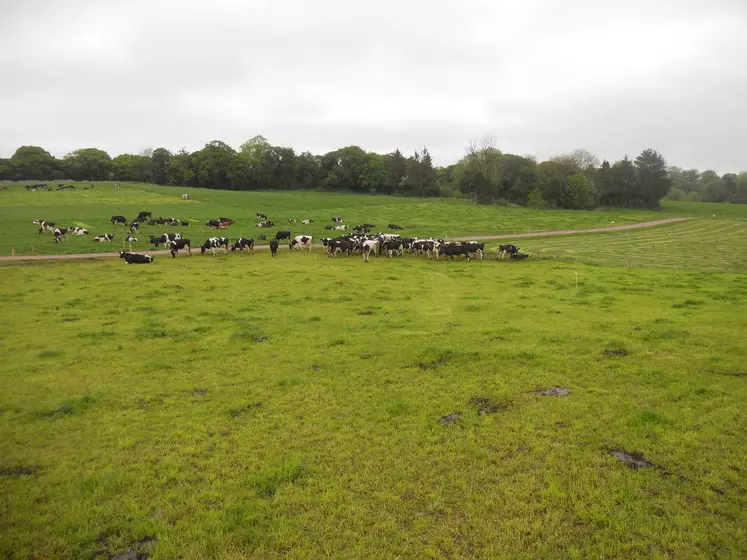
(260, 339)
(634, 460)
(450, 419)
(739, 374)
(429, 365)
(316, 368)
(485, 405)
(140, 550)
(366, 356)
(365, 313)
(200, 392)
(615, 352)
(19, 471)
(236, 412)
(554, 392)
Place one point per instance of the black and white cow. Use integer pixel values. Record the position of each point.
(135, 258)
(477, 248)
(244, 244)
(338, 220)
(307, 222)
(394, 226)
(165, 238)
(392, 247)
(178, 245)
(262, 237)
(329, 227)
(214, 244)
(60, 234)
(143, 215)
(274, 247)
(261, 216)
(361, 228)
(265, 224)
(75, 230)
(453, 250)
(135, 227)
(130, 238)
(301, 241)
(518, 256)
(104, 238)
(213, 224)
(340, 246)
(118, 220)
(508, 249)
(283, 235)
(291, 221)
(342, 227)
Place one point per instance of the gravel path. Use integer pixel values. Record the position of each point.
(473, 238)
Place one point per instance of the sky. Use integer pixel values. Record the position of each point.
(543, 77)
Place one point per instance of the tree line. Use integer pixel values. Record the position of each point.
(485, 174)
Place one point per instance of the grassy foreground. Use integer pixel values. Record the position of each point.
(235, 407)
(93, 209)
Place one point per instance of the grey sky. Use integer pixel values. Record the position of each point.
(542, 76)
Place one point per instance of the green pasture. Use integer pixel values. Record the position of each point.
(93, 208)
(305, 407)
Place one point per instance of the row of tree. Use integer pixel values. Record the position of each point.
(485, 174)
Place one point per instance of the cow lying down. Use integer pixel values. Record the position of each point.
(135, 258)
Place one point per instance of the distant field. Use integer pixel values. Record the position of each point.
(93, 208)
(706, 245)
(303, 407)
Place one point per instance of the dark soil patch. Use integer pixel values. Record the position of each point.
(19, 471)
(316, 368)
(140, 550)
(486, 406)
(616, 352)
(201, 392)
(492, 338)
(731, 373)
(236, 412)
(450, 419)
(634, 460)
(260, 339)
(365, 313)
(430, 365)
(366, 356)
(554, 392)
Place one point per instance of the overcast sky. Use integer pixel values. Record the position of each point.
(541, 76)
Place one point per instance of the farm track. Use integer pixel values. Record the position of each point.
(472, 238)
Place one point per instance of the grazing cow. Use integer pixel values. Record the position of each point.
(261, 216)
(213, 224)
(178, 245)
(509, 250)
(214, 244)
(326, 240)
(291, 221)
(185, 196)
(143, 215)
(46, 226)
(135, 227)
(60, 234)
(392, 247)
(394, 226)
(301, 241)
(474, 247)
(130, 238)
(342, 227)
(453, 250)
(338, 220)
(341, 245)
(118, 220)
(262, 237)
(370, 246)
(105, 238)
(274, 247)
(283, 235)
(75, 230)
(135, 258)
(244, 243)
(165, 238)
(518, 256)
(307, 222)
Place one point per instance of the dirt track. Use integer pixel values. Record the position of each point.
(473, 238)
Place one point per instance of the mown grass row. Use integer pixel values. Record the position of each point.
(707, 245)
(291, 407)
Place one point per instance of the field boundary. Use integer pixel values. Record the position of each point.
(471, 238)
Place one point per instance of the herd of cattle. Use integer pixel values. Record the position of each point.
(362, 242)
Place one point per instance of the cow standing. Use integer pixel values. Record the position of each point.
(301, 241)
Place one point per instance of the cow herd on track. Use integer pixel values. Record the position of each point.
(362, 242)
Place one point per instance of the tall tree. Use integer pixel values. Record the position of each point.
(161, 160)
(88, 164)
(182, 169)
(32, 162)
(396, 171)
(653, 180)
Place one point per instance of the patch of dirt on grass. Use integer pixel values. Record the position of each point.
(260, 339)
(19, 471)
(200, 392)
(140, 550)
(316, 368)
(450, 419)
(739, 374)
(365, 313)
(366, 356)
(634, 460)
(615, 352)
(485, 405)
(554, 392)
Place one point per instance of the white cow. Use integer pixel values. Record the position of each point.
(185, 196)
(301, 241)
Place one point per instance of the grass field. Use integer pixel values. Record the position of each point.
(301, 407)
(93, 208)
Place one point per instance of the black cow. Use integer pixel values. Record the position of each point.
(283, 235)
(394, 226)
(509, 250)
(518, 256)
(143, 214)
(361, 229)
(118, 220)
(135, 258)
(185, 223)
(274, 247)
(178, 245)
(262, 237)
(213, 224)
(214, 244)
(244, 243)
(329, 227)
